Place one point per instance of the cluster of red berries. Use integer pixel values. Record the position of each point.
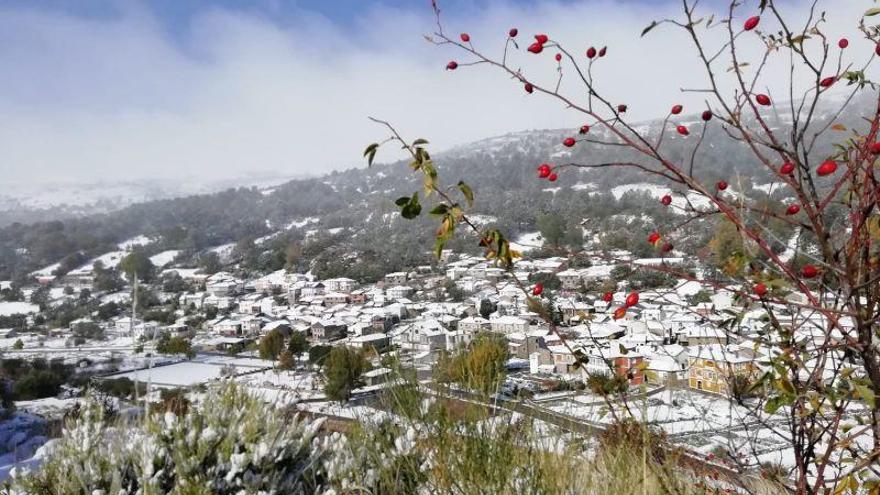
(592, 52)
(538, 46)
(631, 300)
(654, 238)
(545, 171)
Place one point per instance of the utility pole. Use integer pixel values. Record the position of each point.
(134, 292)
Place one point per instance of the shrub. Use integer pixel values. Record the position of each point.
(229, 443)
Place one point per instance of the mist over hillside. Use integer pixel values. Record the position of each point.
(352, 213)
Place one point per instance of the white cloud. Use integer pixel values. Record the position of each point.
(119, 98)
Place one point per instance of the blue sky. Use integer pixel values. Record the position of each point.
(185, 88)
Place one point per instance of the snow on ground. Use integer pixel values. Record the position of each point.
(45, 272)
(163, 258)
(583, 186)
(526, 242)
(175, 375)
(15, 307)
(658, 191)
(265, 238)
(302, 222)
(790, 247)
(223, 250)
(140, 240)
(186, 273)
(767, 188)
(553, 190)
(283, 386)
(202, 369)
(654, 190)
(482, 219)
(48, 408)
(109, 260)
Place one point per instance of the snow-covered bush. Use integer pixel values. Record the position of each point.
(229, 443)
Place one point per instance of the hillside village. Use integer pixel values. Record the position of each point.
(676, 347)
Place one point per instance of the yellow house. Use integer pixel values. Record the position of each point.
(712, 366)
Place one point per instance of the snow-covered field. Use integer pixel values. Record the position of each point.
(140, 240)
(202, 369)
(108, 260)
(45, 272)
(17, 307)
(528, 241)
(658, 191)
(164, 258)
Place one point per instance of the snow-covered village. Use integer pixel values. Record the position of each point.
(675, 348)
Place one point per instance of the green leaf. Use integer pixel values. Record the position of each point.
(467, 192)
(402, 201)
(871, 12)
(623, 350)
(440, 209)
(419, 141)
(438, 247)
(866, 394)
(649, 28)
(773, 404)
(370, 153)
(411, 211)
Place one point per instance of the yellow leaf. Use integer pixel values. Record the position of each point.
(838, 127)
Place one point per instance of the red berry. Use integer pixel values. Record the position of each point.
(608, 297)
(558, 57)
(683, 130)
(786, 168)
(542, 38)
(751, 23)
(828, 167)
(707, 115)
(621, 108)
(710, 456)
(529, 88)
(875, 148)
(584, 129)
(653, 237)
(760, 290)
(513, 32)
(676, 109)
(591, 52)
(544, 170)
(452, 65)
(793, 209)
(827, 82)
(465, 37)
(666, 200)
(569, 142)
(763, 99)
(619, 313)
(552, 177)
(721, 185)
(632, 299)
(536, 48)
(539, 288)
(603, 51)
(877, 49)
(666, 248)
(809, 271)
(843, 43)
